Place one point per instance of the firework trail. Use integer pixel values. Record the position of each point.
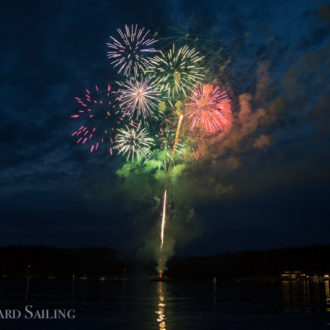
(139, 97)
(134, 142)
(177, 134)
(163, 221)
(207, 108)
(176, 71)
(100, 118)
(131, 52)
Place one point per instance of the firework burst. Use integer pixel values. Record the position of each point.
(131, 52)
(176, 71)
(208, 109)
(99, 116)
(139, 97)
(134, 143)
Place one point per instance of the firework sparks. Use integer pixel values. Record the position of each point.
(177, 134)
(134, 142)
(163, 222)
(131, 52)
(176, 71)
(207, 109)
(100, 116)
(139, 98)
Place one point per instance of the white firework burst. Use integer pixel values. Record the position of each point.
(139, 97)
(131, 52)
(134, 143)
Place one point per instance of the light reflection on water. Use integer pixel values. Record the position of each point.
(306, 296)
(179, 305)
(161, 307)
(327, 294)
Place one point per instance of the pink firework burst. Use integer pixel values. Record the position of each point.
(99, 117)
(208, 109)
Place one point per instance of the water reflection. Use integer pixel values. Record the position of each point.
(161, 307)
(327, 293)
(305, 295)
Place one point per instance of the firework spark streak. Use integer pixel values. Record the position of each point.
(134, 142)
(176, 71)
(177, 134)
(101, 117)
(206, 109)
(139, 98)
(131, 52)
(163, 222)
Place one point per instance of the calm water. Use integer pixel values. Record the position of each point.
(175, 305)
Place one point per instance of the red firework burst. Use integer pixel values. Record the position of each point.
(208, 109)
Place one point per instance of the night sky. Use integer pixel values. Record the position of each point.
(267, 183)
